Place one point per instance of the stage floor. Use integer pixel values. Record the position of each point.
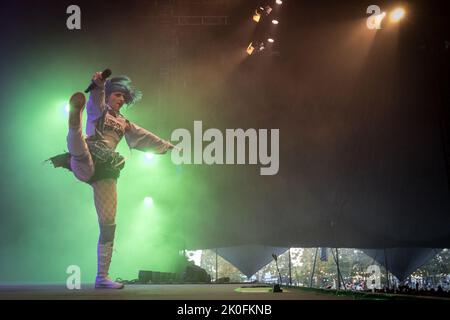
(157, 292)
(188, 292)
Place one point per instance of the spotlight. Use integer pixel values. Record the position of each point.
(261, 46)
(260, 11)
(274, 21)
(252, 46)
(279, 2)
(268, 10)
(148, 201)
(250, 49)
(149, 156)
(256, 16)
(271, 40)
(397, 14)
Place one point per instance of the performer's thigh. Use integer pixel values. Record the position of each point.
(76, 143)
(105, 197)
(81, 160)
(83, 168)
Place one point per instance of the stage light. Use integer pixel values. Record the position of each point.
(271, 40)
(274, 21)
(268, 9)
(259, 46)
(250, 49)
(256, 16)
(261, 11)
(279, 2)
(149, 156)
(148, 201)
(397, 14)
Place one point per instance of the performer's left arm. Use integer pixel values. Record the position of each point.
(143, 140)
(96, 103)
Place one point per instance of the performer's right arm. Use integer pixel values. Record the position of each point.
(96, 103)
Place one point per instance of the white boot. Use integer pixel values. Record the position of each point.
(104, 254)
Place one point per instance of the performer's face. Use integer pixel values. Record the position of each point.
(116, 100)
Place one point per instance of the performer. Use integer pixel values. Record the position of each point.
(93, 159)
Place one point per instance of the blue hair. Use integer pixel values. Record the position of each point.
(123, 84)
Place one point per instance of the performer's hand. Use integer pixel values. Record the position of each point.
(97, 78)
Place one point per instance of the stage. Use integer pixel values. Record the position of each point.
(159, 292)
(186, 292)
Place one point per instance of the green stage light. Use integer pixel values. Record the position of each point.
(148, 201)
(63, 108)
(149, 156)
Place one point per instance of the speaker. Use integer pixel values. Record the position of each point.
(196, 274)
(145, 276)
(156, 277)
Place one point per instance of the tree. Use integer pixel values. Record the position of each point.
(436, 269)
(353, 266)
(226, 269)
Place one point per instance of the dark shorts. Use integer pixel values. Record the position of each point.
(103, 169)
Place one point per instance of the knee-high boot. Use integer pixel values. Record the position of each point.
(104, 255)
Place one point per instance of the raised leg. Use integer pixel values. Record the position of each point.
(80, 160)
